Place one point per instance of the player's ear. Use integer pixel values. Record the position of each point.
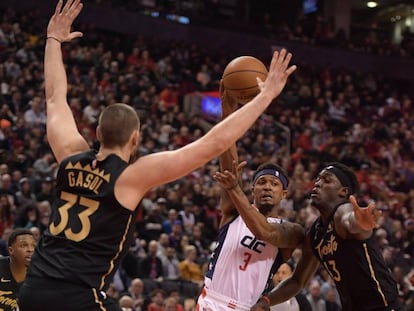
(10, 250)
(98, 133)
(344, 192)
(135, 138)
(284, 194)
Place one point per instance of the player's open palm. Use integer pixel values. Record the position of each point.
(366, 217)
(60, 23)
(229, 179)
(278, 74)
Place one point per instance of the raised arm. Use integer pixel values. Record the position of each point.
(167, 166)
(282, 235)
(357, 222)
(228, 106)
(304, 271)
(62, 132)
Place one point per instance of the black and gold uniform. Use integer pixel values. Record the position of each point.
(354, 264)
(9, 288)
(89, 234)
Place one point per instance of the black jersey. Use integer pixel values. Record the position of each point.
(362, 279)
(9, 288)
(89, 231)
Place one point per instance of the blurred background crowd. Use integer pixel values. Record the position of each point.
(362, 119)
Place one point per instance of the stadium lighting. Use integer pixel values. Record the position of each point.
(372, 4)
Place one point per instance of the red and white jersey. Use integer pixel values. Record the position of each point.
(241, 266)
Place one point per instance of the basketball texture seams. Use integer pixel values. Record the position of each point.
(240, 78)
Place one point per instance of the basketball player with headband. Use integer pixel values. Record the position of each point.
(243, 263)
(342, 240)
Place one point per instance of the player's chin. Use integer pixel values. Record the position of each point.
(265, 207)
(314, 200)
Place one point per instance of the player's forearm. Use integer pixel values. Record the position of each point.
(284, 291)
(55, 74)
(255, 221)
(236, 124)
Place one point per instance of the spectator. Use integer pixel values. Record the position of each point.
(157, 300)
(151, 265)
(25, 195)
(170, 264)
(190, 270)
(314, 297)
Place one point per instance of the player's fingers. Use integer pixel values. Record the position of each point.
(282, 56)
(67, 6)
(287, 59)
(291, 70)
(354, 203)
(274, 61)
(76, 34)
(75, 3)
(76, 11)
(58, 7)
(221, 89)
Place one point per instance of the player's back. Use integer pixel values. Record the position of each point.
(89, 230)
(241, 266)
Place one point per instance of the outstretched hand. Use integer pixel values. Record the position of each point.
(60, 23)
(366, 217)
(230, 179)
(278, 74)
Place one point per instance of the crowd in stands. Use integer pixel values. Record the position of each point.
(363, 120)
(312, 28)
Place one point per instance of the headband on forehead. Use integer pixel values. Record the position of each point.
(343, 178)
(273, 172)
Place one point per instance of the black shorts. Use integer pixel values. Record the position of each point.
(50, 295)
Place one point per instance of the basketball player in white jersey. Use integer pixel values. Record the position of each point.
(242, 265)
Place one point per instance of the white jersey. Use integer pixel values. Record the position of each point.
(241, 266)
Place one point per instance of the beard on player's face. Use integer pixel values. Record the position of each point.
(265, 208)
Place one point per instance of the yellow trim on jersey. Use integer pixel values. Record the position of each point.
(121, 246)
(97, 300)
(371, 269)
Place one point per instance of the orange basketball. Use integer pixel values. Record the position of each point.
(239, 78)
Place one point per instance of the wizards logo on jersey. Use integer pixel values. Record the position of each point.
(252, 243)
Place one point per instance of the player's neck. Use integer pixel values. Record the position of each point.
(18, 271)
(123, 153)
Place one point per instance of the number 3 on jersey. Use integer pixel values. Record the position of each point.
(247, 257)
(63, 225)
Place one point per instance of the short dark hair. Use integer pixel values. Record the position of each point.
(19, 231)
(271, 166)
(349, 173)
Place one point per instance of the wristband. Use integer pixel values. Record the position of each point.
(53, 38)
(265, 298)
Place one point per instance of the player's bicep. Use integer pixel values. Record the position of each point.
(286, 235)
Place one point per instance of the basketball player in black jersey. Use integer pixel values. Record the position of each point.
(21, 245)
(342, 240)
(97, 192)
